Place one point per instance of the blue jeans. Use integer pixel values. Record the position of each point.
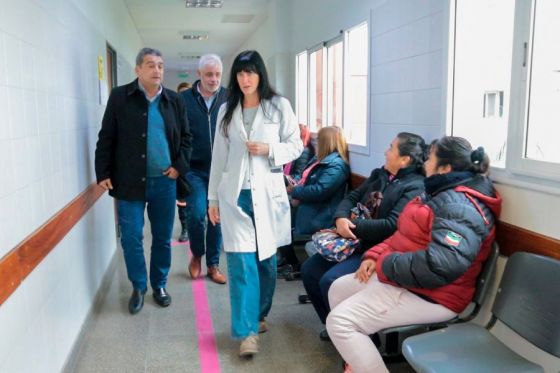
(204, 238)
(160, 199)
(318, 274)
(251, 284)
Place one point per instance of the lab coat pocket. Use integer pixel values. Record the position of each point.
(276, 187)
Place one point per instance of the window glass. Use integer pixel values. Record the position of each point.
(356, 85)
(334, 84)
(544, 87)
(482, 74)
(301, 87)
(316, 90)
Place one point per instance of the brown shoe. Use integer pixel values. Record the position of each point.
(216, 275)
(194, 267)
(263, 328)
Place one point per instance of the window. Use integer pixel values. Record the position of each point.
(483, 58)
(543, 102)
(301, 88)
(356, 85)
(334, 83)
(506, 84)
(316, 89)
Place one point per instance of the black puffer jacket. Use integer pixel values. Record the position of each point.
(407, 184)
(442, 239)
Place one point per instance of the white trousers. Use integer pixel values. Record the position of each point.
(360, 309)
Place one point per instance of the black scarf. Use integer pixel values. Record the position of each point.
(438, 182)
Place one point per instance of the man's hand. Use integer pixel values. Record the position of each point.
(106, 184)
(343, 228)
(363, 274)
(214, 214)
(171, 173)
(257, 148)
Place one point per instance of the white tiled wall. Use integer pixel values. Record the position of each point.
(49, 119)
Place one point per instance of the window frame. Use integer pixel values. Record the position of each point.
(356, 148)
(328, 44)
(516, 162)
(305, 52)
(518, 172)
(317, 47)
(324, 46)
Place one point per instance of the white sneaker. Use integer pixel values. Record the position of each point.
(249, 346)
(263, 328)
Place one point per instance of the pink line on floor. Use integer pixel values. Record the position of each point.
(207, 350)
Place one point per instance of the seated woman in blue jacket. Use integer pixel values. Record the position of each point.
(322, 185)
(316, 193)
(398, 181)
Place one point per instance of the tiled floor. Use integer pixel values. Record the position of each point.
(164, 339)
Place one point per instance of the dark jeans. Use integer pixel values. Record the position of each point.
(204, 238)
(160, 201)
(318, 274)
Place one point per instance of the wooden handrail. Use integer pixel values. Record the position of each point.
(16, 265)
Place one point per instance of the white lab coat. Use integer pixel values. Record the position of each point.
(230, 158)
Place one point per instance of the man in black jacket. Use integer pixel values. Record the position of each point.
(203, 101)
(144, 145)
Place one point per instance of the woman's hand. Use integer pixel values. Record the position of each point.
(343, 228)
(214, 214)
(365, 271)
(294, 202)
(289, 188)
(257, 148)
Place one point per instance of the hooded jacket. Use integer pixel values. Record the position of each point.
(442, 240)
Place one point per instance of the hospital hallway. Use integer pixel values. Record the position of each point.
(193, 333)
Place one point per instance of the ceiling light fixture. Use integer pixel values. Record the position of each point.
(194, 35)
(204, 3)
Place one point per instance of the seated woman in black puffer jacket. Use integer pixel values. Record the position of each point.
(398, 181)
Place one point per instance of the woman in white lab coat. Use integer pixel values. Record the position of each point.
(258, 134)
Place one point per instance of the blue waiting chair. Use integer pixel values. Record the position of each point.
(528, 302)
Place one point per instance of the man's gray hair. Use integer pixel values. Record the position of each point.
(146, 52)
(210, 60)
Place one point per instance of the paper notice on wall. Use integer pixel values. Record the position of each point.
(103, 92)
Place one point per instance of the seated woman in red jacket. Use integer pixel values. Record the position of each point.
(426, 271)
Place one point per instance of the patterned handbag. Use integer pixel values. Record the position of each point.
(332, 247)
(335, 248)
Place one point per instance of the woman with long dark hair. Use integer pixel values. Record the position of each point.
(426, 271)
(258, 135)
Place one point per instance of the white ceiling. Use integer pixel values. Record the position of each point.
(160, 22)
